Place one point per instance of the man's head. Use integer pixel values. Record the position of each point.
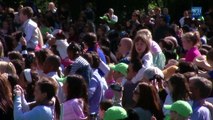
(200, 88)
(125, 45)
(25, 14)
(111, 11)
(51, 6)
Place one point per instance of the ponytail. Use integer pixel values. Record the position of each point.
(194, 37)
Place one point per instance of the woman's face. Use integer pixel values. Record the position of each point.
(39, 96)
(140, 47)
(136, 94)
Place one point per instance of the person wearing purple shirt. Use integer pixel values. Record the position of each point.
(200, 89)
(96, 86)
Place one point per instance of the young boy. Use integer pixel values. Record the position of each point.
(120, 72)
(179, 110)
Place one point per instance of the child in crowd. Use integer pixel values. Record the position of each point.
(141, 52)
(158, 56)
(74, 52)
(179, 110)
(115, 113)
(76, 105)
(190, 42)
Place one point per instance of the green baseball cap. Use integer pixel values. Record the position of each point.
(120, 67)
(183, 108)
(115, 113)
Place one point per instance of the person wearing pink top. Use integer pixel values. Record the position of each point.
(76, 105)
(190, 42)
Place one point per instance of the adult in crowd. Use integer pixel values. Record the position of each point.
(124, 49)
(46, 106)
(31, 32)
(200, 89)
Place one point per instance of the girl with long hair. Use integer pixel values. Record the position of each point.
(141, 52)
(76, 105)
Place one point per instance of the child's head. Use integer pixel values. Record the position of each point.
(75, 83)
(179, 110)
(120, 70)
(141, 46)
(73, 50)
(190, 39)
(115, 113)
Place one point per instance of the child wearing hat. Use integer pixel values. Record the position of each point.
(115, 113)
(179, 110)
(119, 72)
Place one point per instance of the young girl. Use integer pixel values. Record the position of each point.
(190, 43)
(158, 56)
(76, 105)
(46, 106)
(141, 52)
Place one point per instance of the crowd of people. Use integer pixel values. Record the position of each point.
(145, 68)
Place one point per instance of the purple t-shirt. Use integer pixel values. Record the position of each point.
(191, 54)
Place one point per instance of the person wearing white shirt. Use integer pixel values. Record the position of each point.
(29, 28)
